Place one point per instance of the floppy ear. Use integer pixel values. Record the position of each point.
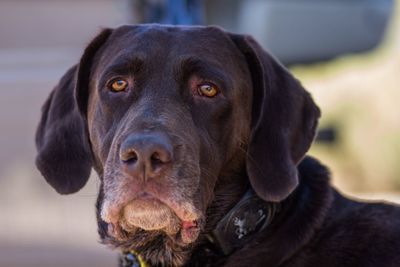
(284, 120)
(64, 155)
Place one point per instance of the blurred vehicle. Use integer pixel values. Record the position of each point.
(317, 30)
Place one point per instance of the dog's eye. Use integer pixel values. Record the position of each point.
(118, 85)
(207, 89)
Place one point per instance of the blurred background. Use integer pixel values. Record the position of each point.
(346, 53)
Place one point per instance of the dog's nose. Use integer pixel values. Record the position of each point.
(145, 155)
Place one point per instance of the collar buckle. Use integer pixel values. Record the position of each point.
(247, 218)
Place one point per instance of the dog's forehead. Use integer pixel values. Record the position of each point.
(174, 35)
(159, 41)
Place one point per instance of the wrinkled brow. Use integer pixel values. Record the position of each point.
(125, 64)
(185, 67)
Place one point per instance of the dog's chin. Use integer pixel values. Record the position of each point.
(149, 215)
(154, 216)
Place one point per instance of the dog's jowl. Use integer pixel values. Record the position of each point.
(199, 137)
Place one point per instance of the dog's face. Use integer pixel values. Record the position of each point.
(163, 114)
(162, 137)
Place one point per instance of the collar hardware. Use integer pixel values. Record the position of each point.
(132, 259)
(246, 219)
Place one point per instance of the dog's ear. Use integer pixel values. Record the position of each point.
(64, 156)
(284, 121)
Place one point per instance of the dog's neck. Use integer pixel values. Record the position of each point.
(233, 197)
(306, 208)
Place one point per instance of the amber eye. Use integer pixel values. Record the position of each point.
(208, 90)
(118, 85)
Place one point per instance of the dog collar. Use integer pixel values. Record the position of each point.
(246, 219)
(132, 259)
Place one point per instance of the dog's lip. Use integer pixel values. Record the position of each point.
(190, 230)
(189, 224)
(145, 196)
(175, 207)
(148, 197)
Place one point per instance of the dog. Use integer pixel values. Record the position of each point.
(199, 138)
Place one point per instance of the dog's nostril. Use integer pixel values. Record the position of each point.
(159, 158)
(129, 156)
(163, 156)
(155, 158)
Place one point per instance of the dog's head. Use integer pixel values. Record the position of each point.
(163, 114)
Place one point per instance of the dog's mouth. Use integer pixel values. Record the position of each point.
(151, 214)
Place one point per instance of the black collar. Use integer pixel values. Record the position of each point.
(245, 220)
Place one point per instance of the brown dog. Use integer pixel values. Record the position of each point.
(179, 123)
